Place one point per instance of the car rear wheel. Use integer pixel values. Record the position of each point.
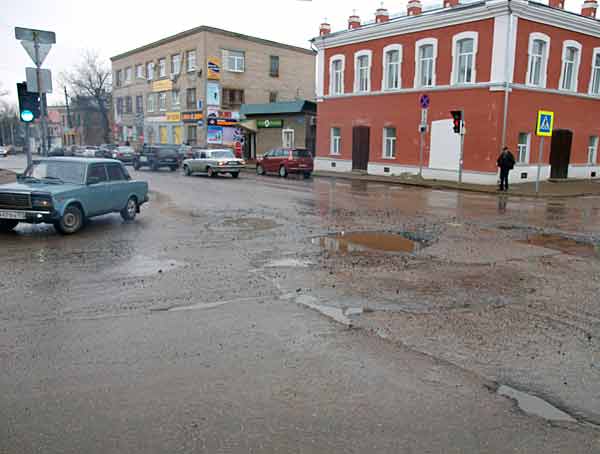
(136, 165)
(283, 173)
(154, 167)
(307, 175)
(6, 225)
(71, 221)
(173, 168)
(260, 170)
(211, 173)
(130, 211)
(235, 174)
(187, 171)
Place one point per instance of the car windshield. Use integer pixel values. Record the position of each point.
(301, 154)
(68, 172)
(222, 154)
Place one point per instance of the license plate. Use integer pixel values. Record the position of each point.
(143, 158)
(233, 163)
(12, 215)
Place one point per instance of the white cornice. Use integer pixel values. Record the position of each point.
(446, 17)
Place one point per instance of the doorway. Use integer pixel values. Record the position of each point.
(560, 153)
(360, 147)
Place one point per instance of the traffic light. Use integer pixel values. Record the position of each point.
(457, 120)
(29, 104)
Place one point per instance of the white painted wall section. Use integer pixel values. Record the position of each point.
(445, 146)
(333, 165)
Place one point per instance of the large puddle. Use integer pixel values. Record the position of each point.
(367, 241)
(564, 245)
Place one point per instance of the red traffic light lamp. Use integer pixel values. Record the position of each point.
(457, 120)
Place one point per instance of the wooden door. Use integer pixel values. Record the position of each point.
(560, 153)
(360, 147)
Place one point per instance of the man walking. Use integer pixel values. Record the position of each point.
(506, 162)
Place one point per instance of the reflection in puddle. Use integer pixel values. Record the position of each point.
(564, 245)
(534, 405)
(367, 241)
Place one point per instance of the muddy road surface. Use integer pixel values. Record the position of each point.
(268, 315)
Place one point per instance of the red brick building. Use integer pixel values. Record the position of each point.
(499, 61)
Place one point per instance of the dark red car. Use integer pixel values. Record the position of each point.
(284, 161)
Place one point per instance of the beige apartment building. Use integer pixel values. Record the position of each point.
(189, 88)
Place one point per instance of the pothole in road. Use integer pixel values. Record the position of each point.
(141, 265)
(534, 405)
(246, 224)
(565, 245)
(347, 242)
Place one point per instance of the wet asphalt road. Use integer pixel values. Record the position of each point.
(184, 331)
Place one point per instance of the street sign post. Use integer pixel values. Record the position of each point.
(45, 79)
(424, 101)
(37, 43)
(544, 128)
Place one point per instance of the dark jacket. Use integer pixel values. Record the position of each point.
(506, 160)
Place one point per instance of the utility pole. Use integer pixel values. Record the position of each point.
(69, 122)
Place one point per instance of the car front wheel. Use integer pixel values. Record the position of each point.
(260, 170)
(6, 225)
(187, 171)
(130, 211)
(71, 221)
(235, 174)
(211, 173)
(283, 173)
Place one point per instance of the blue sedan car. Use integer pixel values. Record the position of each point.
(67, 191)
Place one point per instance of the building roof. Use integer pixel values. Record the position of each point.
(274, 108)
(204, 28)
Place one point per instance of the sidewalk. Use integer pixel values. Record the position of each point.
(570, 188)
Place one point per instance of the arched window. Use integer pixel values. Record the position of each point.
(337, 65)
(569, 75)
(464, 52)
(425, 60)
(537, 67)
(392, 64)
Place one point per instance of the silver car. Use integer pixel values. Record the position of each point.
(213, 163)
(3, 152)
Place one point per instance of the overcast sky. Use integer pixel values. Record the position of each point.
(114, 26)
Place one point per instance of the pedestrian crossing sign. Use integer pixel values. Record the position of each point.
(545, 123)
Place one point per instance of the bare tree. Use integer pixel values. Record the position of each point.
(92, 80)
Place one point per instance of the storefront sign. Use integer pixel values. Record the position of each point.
(213, 94)
(214, 135)
(263, 124)
(214, 68)
(162, 85)
(174, 116)
(191, 117)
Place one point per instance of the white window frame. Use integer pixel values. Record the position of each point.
(151, 102)
(293, 141)
(387, 139)
(455, 66)
(162, 67)
(332, 60)
(176, 99)
(336, 142)
(591, 87)
(150, 70)
(567, 44)
(139, 71)
(527, 149)
(385, 82)
(176, 68)
(544, 70)
(190, 68)
(232, 54)
(128, 74)
(357, 56)
(593, 151)
(420, 43)
(162, 95)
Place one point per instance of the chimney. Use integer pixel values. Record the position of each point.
(414, 7)
(382, 15)
(324, 29)
(453, 3)
(589, 8)
(559, 4)
(353, 22)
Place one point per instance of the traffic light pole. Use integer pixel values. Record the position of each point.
(42, 98)
(28, 145)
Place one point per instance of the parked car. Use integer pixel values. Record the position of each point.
(67, 191)
(4, 152)
(157, 156)
(284, 161)
(86, 151)
(124, 154)
(185, 152)
(57, 151)
(107, 149)
(213, 163)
